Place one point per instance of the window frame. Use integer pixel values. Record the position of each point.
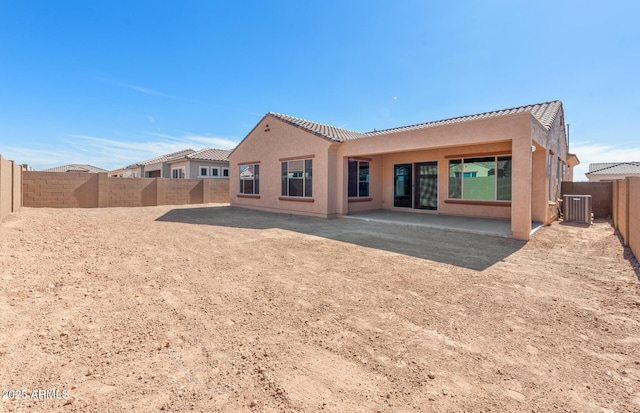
(306, 178)
(217, 172)
(183, 171)
(461, 176)
(225, 172)
(255, 179)
(203, 168)
(358, 182)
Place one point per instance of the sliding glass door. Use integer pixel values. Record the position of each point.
(416, 185)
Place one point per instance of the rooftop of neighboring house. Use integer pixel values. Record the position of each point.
(75, 167)
(206, 154)
(614, 168)
(545, 113)
(162, 158)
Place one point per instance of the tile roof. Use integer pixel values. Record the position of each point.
(75, 167)
(325, 131)
(164, 158)
(210, 154)
(545, 113)
(614, 168)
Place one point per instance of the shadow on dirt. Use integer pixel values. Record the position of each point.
(472, 251)
(628, 255)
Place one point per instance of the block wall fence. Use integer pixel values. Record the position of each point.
(10, 187)
(626, 212)
(97, 190)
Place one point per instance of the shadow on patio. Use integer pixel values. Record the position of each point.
(473, 251)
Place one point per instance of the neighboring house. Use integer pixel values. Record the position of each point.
(75, 167)
(116, 173)
(205, 163)
(155, 167)
(612, 171)
(503, 164)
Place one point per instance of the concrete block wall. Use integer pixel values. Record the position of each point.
(10, 187)
(87, 190)
(60, 190)
(215, 191)
(601, 195)
(131, 192)
(622, 207)
(633, 220)
(183, 191)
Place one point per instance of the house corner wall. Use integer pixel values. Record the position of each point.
(521, 191)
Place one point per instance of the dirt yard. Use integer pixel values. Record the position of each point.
(220, 309)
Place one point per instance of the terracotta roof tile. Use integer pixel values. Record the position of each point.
(164, 158)
(332, 133)
(75, 167)
(210, 154)
(614, 168)
(545, 113)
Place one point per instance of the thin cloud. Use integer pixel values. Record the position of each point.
(144, 90)
(589, 152)
(111, 153)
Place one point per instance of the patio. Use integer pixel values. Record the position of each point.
(472, 225)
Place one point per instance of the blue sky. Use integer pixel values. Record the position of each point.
(109, 82)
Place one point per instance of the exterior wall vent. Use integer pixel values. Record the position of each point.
(577, 208)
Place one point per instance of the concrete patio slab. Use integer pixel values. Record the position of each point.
(474, 225)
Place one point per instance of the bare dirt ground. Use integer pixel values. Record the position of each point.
(220, 309)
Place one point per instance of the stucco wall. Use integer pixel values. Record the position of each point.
(10, 187)
(273, 140)
(440, 155)
(513, 130)
(193, 168)
(376, 175)
(87, 190)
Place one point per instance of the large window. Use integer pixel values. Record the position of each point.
(297, 178)
(480, 179)
(358, 178)
(250, 179)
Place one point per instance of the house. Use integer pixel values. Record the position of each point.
(116, 173)
(155, 167)
(612, 171)
(75, 167)
(205, 163)
(503, 164)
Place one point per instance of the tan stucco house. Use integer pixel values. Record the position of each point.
(502, 164)
(184, 164)
(205, 163)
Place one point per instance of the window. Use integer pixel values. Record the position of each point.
(480, 179)
(204, 171)
(215, 171)
(178, 173)
(358, 178)
(297, 178)
(225, 172)
(250, 179)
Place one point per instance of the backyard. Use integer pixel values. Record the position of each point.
(220, 309)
